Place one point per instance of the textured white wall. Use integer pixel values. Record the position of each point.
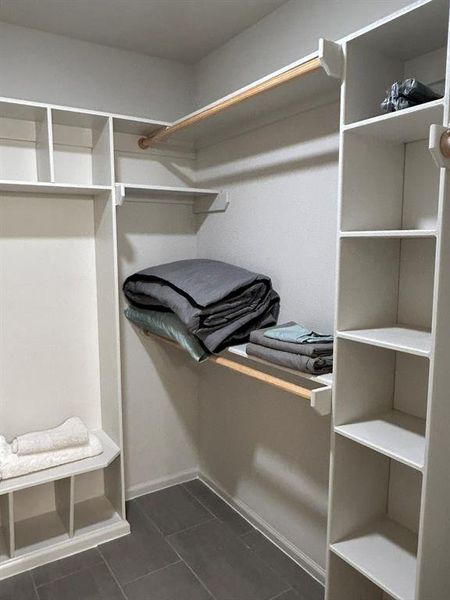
(265, 448)
(287, 34)
(51, 68)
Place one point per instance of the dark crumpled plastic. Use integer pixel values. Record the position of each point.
(409, 93)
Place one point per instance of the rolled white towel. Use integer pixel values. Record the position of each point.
(70, 434)
(13, 465)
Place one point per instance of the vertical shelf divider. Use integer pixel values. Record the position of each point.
(64, 500)
(7, 514)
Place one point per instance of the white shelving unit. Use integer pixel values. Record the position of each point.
(59, 320)
(390, 490)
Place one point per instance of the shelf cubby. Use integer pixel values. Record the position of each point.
(349, 583)
(82, 145)
(400, 181)
(412, 45)
(386, 283)
(376, 505)
(25, 143)
(40, 517)
(386, 400)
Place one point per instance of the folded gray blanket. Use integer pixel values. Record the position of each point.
(218, 302)
(314, 350)
(299, 362)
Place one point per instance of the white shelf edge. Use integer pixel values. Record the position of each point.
(365, 336)
(41, 187)
(397, 115)
(390, 233)
(110, 452)
(374, 442)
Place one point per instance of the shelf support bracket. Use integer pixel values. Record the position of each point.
(439, 145)
(218, 204)
(331, 58)
(321, 400)
(119, 194)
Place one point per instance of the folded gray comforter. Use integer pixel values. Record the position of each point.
(218, 302)
(314, 350)
(299, 362)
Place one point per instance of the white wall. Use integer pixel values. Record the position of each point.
(265, 448)
(51, 68)
(287, 34)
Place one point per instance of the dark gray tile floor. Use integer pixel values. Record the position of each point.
(185, 544)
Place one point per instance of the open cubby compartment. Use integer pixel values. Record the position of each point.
(375, 504)
(98, 499)
(42, 516)
(385, 396)
(25, 143)
(387, 283)
(82, 145)
(348, 584)
(411, 45)
(389, 185)
(7, 545)
(170, 164)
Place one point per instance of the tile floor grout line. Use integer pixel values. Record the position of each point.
(192, 570)
(36, 591)
(291, 589)
(166, 535)
(101, 561)
(198, 499)
(177, 562)
(112, 575)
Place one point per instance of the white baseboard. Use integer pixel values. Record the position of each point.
(310, 566)
(159, 484)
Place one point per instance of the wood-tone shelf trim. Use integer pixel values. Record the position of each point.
(319, 398)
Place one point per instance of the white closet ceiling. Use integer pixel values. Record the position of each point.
(184, 30)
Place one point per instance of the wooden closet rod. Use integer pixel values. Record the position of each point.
(281, 384)
(311, 65)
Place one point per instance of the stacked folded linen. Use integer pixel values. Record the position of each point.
(40, 450)
(218, 303)
(293, 346)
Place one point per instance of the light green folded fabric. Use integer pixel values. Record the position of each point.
(168, 325)
(297, 334)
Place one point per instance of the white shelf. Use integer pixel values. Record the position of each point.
(226, 118)
(391, 233)
(241, 350)
(26, 187)
(110, 452)
(395, 434)
(136, 126)
(402, 339)
(403, 126)
(145, 193)
(385, 552)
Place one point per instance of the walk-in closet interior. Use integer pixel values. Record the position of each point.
(224, 300)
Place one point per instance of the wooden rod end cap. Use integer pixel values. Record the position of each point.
(444, 144)
(143, 143)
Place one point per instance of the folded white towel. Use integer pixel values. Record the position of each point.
(13, 465)
(73, 432)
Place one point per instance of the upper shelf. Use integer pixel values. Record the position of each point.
(312, 77)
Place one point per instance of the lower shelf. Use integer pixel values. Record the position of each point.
(395, 434)
(385, 553)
